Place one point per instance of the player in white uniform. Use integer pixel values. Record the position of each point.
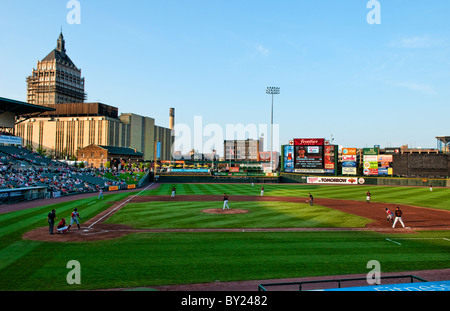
(74, 218)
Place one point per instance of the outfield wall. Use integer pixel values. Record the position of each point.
(380, 181)
(302, 179)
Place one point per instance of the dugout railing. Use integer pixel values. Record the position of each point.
(300, 285)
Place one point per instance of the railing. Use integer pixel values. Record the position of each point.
(262, 287)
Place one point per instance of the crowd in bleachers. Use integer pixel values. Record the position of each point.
(54, 178)
(21, 168)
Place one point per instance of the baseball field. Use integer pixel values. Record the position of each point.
(147, 239)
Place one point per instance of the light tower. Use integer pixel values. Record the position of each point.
(272, 91)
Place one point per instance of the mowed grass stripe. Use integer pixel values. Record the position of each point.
(187, 215)
(417, 196)
(161, 259)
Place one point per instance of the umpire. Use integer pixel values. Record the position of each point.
(51, 221)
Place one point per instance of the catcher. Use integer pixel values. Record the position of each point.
(62, 227)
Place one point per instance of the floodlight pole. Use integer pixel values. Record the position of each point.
(272, 91)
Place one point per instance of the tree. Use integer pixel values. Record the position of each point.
(42, 151)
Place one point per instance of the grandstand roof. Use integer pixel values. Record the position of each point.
(121, 150)
(21, 108)
(443, 139)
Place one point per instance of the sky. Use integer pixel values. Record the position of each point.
(355, 83)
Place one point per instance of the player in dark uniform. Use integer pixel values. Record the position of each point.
(398, 217)
(51, 221)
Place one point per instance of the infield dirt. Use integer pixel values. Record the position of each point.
(415, 218)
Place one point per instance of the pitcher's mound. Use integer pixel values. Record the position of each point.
(226, 212)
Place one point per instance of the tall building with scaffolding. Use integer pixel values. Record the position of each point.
(56, 79)
(443, 143)
(73, 124)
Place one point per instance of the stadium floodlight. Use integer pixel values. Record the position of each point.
(272, 91)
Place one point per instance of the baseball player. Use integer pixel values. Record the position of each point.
(100, 194)
(74, 218)
(311, 199)
(368, 196)
(390, 215)
(173, 192)
(398, 217)
(62, 227)
(225, 202)
(262, 190)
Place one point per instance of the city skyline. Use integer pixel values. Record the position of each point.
(341, 77)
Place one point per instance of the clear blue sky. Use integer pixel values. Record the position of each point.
(386, 84)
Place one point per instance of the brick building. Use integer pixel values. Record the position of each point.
(98, 156)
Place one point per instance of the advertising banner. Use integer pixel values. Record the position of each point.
(332, 180)
(370, 172)
(10, 140)
(370, 158)
(385, 158)
(311, 171)
(288, 158)
(190, 170)
(370, 151)
(370, 164)
(348, 164)
(158, 150)
(392, 150)
(349, 170)
(309, 142)
(384, 165)
(329, 159)
(349, 158)
(348, 151)
(383, 171)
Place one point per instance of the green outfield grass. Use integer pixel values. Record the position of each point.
(151, 259)
(184, 215)
(127, 177)
(439, 198)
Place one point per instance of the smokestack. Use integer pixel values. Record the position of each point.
(172, 118)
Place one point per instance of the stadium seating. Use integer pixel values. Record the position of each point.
(20, 168)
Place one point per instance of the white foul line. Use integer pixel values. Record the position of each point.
(393, 241)
(445, 239)
(132, 197)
